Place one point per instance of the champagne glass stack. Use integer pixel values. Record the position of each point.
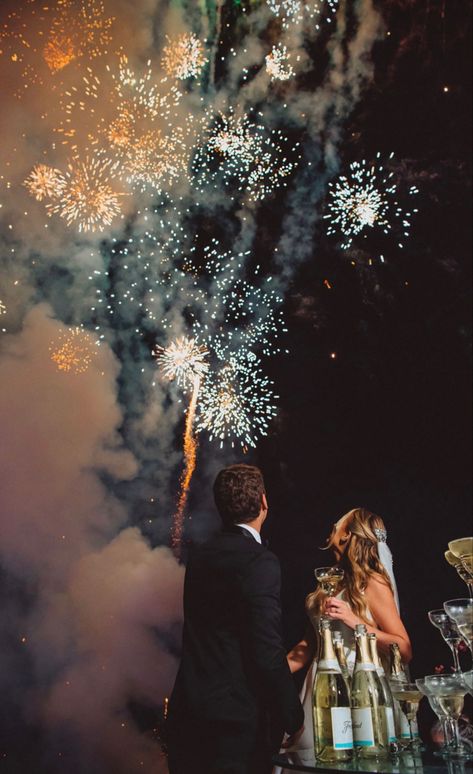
(446, 692)
(460, 556)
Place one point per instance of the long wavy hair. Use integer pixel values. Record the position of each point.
(360, 561)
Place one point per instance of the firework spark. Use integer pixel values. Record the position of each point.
(131, 119)
(184, 57)
(183, 360)
(59, 33)
(88, 199)
(3, 309)
(72, 351)
(244, 156)
(236, 404)
(45, 183)
(78, 32)
(366, 199)
(297, 11)
(278, 64)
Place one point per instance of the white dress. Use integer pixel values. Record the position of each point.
(305, 745)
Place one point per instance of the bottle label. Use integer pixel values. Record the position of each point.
(363, 732)
(360, 667)
(328, 665)
(404, 727)
(342, 728)
(390, 724)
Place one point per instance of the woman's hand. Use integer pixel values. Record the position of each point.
(339, 610)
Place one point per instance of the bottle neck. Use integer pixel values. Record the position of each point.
(340, 651)
(363, 655)
(328, 657)
(397, 670)
(375, 655)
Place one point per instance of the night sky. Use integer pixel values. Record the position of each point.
(386, 424)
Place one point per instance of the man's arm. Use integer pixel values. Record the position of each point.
(261, 586)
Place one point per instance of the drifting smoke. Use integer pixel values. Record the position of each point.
(93, 611)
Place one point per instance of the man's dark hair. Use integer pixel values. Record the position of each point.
(238, 490)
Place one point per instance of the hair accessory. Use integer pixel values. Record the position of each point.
(381, 534)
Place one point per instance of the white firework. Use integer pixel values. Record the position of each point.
(297, 11)
(184, 360)
(236, 405)
(367, 198)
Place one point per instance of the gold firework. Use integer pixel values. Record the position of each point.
(132, 120)
(45, 182)
(88, 199)
(73, 351)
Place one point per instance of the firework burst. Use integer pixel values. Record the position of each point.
(54, 33)
(183, 360)
(131, 119)
(244, 156)
(72, 351)
(184, 57)
(236, 405)
(88, 199)
(366, 199)
(278, 64)
(45, 183)
(297, 11)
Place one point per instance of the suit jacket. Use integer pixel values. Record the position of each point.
(234, 671)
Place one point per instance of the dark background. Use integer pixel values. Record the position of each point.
(386, 423)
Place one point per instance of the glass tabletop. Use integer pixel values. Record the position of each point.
(406, 763)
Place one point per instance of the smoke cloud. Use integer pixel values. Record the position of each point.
(89, 462)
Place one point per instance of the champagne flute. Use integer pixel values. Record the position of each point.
(463, 567)
(468, 680)
(450, 691)
(409, 697)
(330, 579)
(449, 631)
(461, 611)
(440, 712)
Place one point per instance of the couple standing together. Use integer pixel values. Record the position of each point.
(234, 699)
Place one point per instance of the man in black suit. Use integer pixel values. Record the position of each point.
(234, 696)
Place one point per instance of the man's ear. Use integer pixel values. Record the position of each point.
(264, 503)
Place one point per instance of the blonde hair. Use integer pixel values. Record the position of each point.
(360, 561)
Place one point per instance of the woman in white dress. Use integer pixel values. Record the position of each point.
(368, 595)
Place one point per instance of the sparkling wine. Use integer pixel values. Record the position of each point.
(333, 733)
(452, 705)
(370, 731)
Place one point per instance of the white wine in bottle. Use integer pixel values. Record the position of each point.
(370, 731)
(339, 647)
(387, 694)
(333, 733)
(398, 675)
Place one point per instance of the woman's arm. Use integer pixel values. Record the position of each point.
(302, 653)
(388, 625)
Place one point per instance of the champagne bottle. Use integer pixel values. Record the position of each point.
(398, 675)
(387, 695)
(368, 704)
(333, 733)
(339, 647)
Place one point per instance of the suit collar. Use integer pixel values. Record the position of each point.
(233, 529)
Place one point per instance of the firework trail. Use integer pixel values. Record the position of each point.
(184, 361)
(190, 457)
